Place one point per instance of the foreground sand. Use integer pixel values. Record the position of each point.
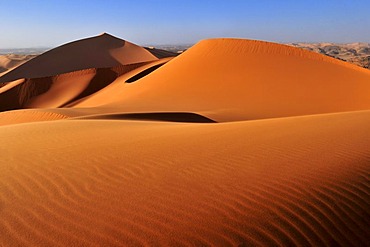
(232, 143)
(300, 180)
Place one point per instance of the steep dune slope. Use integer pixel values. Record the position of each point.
(243, 79)
(71, 72)
(113, 92)
(10, 61)
(102, 51)
(109, 182)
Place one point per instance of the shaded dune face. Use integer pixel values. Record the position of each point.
(10, 61)
(244, 79)
(114, 91)
(59, 90)
(102, 51)
(73, 71)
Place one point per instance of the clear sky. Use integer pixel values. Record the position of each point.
(40, 23)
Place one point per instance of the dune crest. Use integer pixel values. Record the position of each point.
(102, 51)
(11, 61)
(242, 79)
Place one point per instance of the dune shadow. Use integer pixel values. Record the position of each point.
(82, 54)
(143, 73)
(181, 117)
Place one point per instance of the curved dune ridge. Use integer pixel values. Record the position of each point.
(113, 92)
(62, 89)
(73, 71)
(102, 51)
(152, 183)
(11, 61)
(244, 79)
(232, 143)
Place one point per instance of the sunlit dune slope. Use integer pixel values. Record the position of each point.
(113, 92)
(279, 182)
(235, 79)
(102, 51)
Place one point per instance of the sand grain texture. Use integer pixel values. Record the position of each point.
(132, 186)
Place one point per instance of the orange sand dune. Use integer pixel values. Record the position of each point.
(102, 51)
(112, 93)
(243, 79)
(143, 151)
(59, 90)
(63, 89)
(289, 181)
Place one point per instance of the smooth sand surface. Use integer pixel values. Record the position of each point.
(232, 143)
(245, 79)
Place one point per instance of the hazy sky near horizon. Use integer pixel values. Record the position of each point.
(49, 23)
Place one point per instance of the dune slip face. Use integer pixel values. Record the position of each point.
(109, 182)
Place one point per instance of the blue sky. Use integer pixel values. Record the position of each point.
(37, 23)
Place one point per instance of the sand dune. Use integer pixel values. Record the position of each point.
(159, 53)
(11, 61)
(73, 71)
(102, 51)
(111, 182)
(243, 79)
(62, 89)
(113, 92)
(231, 143)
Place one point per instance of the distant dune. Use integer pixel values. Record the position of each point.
(356, 53)
(11, 61)
(232, 143)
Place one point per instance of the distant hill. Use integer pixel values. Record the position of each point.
(10, 61)
(24, 51)
(356, 53)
